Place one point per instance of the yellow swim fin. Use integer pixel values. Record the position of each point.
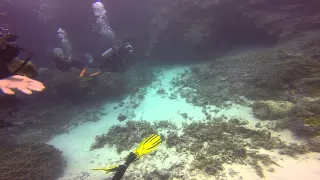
(148, 145)
(112, 168)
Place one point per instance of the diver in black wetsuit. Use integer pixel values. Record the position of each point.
(65, 63)
(117, 57)
(15, 74)
(10, 64)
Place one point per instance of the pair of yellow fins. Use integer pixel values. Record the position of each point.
(147, 146)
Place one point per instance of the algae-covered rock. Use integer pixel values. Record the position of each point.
(307, 117)
(271, 109)
(312, 121)
(314, 144)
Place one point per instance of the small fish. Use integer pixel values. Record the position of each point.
(3, 14)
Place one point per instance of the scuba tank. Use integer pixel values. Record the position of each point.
(58, 52)
(108, 53)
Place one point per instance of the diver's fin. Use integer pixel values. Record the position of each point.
(82, 72)
(148, 145)
(96, 73)
(112, 168)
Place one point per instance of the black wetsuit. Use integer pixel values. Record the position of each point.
(118, 61)
(7, 54)
(63, 64)
(4, 71)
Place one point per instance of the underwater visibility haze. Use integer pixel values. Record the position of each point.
(159, 89)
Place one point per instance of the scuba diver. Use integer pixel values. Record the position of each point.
(14, 72)
(117, 57)
(146, 146)
(65, 63)
(70, 64)
(114, 59)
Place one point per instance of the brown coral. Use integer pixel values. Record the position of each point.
(30, 161)
(272, 109)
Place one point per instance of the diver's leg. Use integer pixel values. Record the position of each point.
(78, 64)
(4, 70)
(111, 65)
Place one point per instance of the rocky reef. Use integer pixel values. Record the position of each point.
(30, 161)
(206, 27)
(286, 72)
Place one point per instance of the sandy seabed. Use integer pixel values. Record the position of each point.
(76, 144)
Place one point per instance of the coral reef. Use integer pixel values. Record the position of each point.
(314, 144)
(30, 161)
(157, 175)
(172, 139)
(162, 92)
(271, 109)
(306, 117)
(278, 125)
(286, 72)
(165, 125)
(122, 117)
(218, 141)
(124, 137)
(202, 88)
(312, 121)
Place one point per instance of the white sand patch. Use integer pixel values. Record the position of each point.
(76, 144)
(306, 167)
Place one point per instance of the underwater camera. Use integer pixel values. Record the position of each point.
(10, 64)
